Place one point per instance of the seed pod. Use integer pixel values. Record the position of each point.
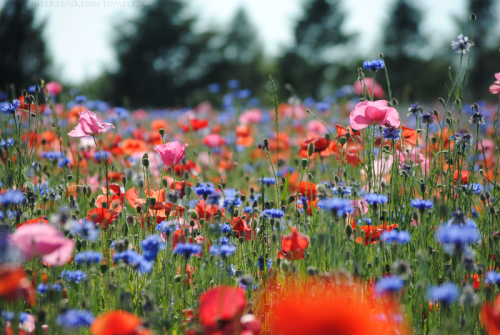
(310, 149)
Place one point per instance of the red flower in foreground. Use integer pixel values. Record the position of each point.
(490, 316)
(102, 217)
(307, 187)
(118, 323)
(328, 308)
(220, 307)
(41, 219)
(293, 245)
(15, 285)
(373, 233)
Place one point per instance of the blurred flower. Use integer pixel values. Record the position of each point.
(457, 238)
(214, 88)
(495, 87)
(389, 284)
(74, 318)
(187, 249)
(273, 213)
(11, 108)
(118, 323)
(415, 110)
(373, 65)
(392, 133)
(446, 293)
(293, 246)
(336, 206)
(268, 181)
(367, 84)
(477, 118)
(85, 230)
(395, 237)
(233, 84)
(151, 246)
(421, 205)
(74, 276)
(136, 261)
(53, 88)
(15, 285)
(374, 198)
(88, 257)
(89, 125)
(223, 250)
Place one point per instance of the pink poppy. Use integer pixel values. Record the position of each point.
(316, 127)
(45, 241)
(251, 116)
(53, 88)
(171, 153)
(213, 140)
(367, 113)
(495, 87)
(358, 205)
(89, 125)
(358, 88)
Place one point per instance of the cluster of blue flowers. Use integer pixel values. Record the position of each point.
(247, 210)
(230, 202)
(151, 246)
(63, 162)
(342, 188)
(52, 155)
(373, 65)
(391, 133)
(43, 288)
(100, 155)
(136, 261)
(11, 197)
(396, 237)
(187, 249)
(223, 250)
(446, 293)
(166, 227)
(10, 142)
(74, 276)
(390, 284)
(421, 204)
(268, 181)
(11, 108)
(204, 190)
(374, 198)
(88, 257)
(74, 318)
(336, 206)
(224, 228)
(273, 213)
(85, 229)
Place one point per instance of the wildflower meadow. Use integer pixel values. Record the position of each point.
(357, 216)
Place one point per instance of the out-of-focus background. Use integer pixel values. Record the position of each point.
(161, 53)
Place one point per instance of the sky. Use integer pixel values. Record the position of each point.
(80, 37)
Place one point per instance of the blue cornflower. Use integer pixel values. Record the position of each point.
(477, 118)
(243, 94)
(492, 277)
(267, 181)
(204, 190)
(64, 162)
(367, 221)
(133, 259)
(395, 237)
(231, 202)
(214, 88)
(415, 110)
(74, 318)
(224, 228)
(214, 199)
(11, 197)
(23, 317)
(100, 155)
(165, 227)
(223, 250)
(337, 206)
(52, 155)
(43, 288)
(463, 139)
(233, 84)
(75, 276)
(10, 142)
(80, 99)
(85, 229)
(428, 118)
(273, 213)
(456, 237)
(463, 44)
(391, 133)
(343, 189)
(151, 246)
(390, 284)
(34, 88)
(88, 257)
(373, 65)
(446, 293)
(375, 199)
(8, 315)
(476, 188)
(247, 210)
(421, 204)
(11, 108)
(260, 263)
(187, 249)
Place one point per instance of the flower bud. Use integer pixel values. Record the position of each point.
(348, 231)
(473, 17)
(327, 137)
(161, 131)
(342, 140)
(145, 162)
(310, 149)
(304, 163)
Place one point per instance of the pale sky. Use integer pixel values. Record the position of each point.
(79, 38)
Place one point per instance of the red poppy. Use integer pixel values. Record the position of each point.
(293, 246)
(118, 323)
(190, 167)
(102, 217)
(373, 233)
(209, 214)
(241, 226)
(410, 135)
(15, 285)
(219, 307)
(465, 176)
(342, 132)
(195, 124)
(308, 187)
(41, 219)
(319, 142)
(490, 316)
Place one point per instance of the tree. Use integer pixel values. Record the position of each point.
(161, 60)
(23, 59)
(316, 33)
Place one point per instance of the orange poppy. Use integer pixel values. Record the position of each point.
(490, 316)
(373, 233)
(15, 285)
(308, 187)
(118, 323)
(131, 146)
